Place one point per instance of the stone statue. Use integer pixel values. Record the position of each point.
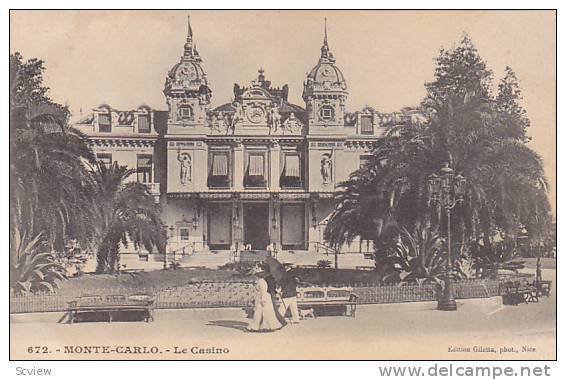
(224, 122)
(237, 117)
(218, 123)
(185, 174)
(293, 124)
(326, 169)
(275, 118)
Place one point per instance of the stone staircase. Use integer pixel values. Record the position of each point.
(214, 259)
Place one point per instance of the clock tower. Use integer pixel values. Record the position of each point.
(186, 88)
(325, 94)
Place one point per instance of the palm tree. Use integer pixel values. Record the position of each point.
(124, 213)
(389, 192)
(465, 126)
(49, 182)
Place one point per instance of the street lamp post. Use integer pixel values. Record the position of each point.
(171, 231)
(447, 190)
(538, 277)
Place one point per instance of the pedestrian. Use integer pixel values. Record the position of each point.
(264, 318)
(272, 287)
(288, 285)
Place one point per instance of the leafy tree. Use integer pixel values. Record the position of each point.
(124, 213)
(460, 71)
(514, 117)
(49, 183)
(473, 131)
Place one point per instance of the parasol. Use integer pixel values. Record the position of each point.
(276, 269)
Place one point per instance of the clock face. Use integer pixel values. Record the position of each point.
(188, 72)
(326, 71)
(255, 114)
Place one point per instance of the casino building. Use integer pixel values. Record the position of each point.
(258, 171)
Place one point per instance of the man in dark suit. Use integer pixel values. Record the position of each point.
(288, 285)
(272, 290)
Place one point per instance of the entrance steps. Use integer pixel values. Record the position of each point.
(214, 258)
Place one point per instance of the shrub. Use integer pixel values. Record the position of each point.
(30, 269)
(242, 268)
(323, 263)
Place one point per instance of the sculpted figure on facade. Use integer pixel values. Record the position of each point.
(185, 172)
(237, 117)
(292, 124)
(219, 123)
(326, 168)
(275, 119)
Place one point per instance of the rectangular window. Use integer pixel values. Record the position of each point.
(255, 173)
(184, 233)
(144, 124)
(104, 122)
(219, 170)
(105, 158)
(366, 125)
(186, 112)
(220, 165)
(291, 176)
(255, 165)
(144, 168)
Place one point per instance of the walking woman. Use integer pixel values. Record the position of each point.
(264, 319)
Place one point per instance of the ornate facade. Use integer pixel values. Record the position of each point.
(257, 171)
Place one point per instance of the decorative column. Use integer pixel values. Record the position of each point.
(204, 217)
(238, 166)
(237, 222)
(197, 225)
(312, 223)
(275, 169)
(275, 221)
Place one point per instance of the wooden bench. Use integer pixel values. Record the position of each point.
(543, 288)
(111, 305)
(516, 292)
(318, 297)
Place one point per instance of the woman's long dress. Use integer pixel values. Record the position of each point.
(264, 315)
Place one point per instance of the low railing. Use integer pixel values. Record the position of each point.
(241, 294)
(324, 249)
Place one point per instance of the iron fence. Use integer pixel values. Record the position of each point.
(241, 294)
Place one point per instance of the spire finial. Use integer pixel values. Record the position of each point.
(189, 29)
(325, 34)
(324, 50)
(189, 48)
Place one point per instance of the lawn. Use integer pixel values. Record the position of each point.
(546, 263)
(164, 279)
(160, 279)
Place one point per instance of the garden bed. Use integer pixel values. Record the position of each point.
(186, 288)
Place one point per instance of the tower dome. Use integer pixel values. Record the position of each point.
(325, 76)
(188, 74)
(186, 87)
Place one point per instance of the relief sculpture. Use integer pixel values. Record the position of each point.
(185, 172)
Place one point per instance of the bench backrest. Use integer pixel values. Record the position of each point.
(112, 299)
(324, 293)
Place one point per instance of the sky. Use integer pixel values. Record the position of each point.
(122, 57)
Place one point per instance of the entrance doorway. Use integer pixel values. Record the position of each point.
(219, 225)
(293, 226)
(256, 225)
